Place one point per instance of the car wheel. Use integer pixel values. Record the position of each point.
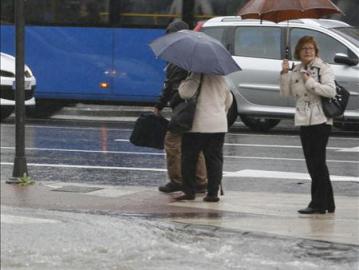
(347, 126)
(5, 112)
(232, 113)
(259, 123)
(42, 109)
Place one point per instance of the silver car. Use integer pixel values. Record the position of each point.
(259, 48)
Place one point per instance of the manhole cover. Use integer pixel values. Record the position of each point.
(79, 189)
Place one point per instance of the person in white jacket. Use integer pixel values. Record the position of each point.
(310, 80)
(207, 133)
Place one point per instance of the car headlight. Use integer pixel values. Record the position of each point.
(28, 73)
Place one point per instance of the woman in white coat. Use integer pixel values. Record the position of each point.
(207, 133)
(308, 82)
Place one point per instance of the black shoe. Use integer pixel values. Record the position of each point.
(209, 198)
(310, 211)
(332, 210)
(201, 188)
(183, 197)
(170, 187)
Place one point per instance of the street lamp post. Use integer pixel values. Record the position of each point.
(20, 166)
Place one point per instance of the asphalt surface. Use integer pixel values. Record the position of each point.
(95, 204)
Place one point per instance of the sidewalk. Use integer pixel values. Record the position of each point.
(257, 212)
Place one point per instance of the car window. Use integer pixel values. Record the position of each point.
(259, 42)
(328, 46)
(349, 33)
(215, 32)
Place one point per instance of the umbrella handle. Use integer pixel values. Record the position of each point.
(287, 42)
(292, 67)
(287, 52)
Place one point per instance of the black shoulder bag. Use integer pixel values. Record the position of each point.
(183, 114)
(335, 107)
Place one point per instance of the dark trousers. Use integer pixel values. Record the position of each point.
(212, 146)
(314, 142)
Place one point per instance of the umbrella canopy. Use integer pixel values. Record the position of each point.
(196, 52)
(282, 10)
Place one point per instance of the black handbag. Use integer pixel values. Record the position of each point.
(335, 107)
(183, 114)
(149, 131)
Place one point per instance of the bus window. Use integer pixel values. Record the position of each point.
(201, 8)
(67, 12)
(142, 13)
(94, 12)
(7, 11)
(204, 10)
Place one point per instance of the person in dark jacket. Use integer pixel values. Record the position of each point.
(174, 76)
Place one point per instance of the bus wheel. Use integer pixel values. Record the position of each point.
(259, 123)
(6, 111)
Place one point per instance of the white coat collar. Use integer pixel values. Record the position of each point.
(317, 63)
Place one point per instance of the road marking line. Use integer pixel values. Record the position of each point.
(88, 151)
(90, 167)
(10, 219)
(259, 145)
(70, 128)
(275, 146)
(285, 135)
(96, 118)
(290, 159)
(241, 173)
(339, 149)
(162, 154)
(353, 149)
(284, 175)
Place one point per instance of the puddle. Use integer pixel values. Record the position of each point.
(85, 241)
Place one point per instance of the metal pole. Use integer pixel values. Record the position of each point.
(20, 166)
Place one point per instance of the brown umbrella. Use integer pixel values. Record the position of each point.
(282, 10)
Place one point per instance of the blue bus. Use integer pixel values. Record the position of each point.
(97, 50)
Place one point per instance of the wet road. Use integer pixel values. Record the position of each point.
(99, 153)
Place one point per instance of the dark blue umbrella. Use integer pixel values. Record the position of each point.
(196, 52)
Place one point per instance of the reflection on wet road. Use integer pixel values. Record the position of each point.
(255, 163)
(68, 153)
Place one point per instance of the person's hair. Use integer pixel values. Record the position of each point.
(300, 45)
(176, 25)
